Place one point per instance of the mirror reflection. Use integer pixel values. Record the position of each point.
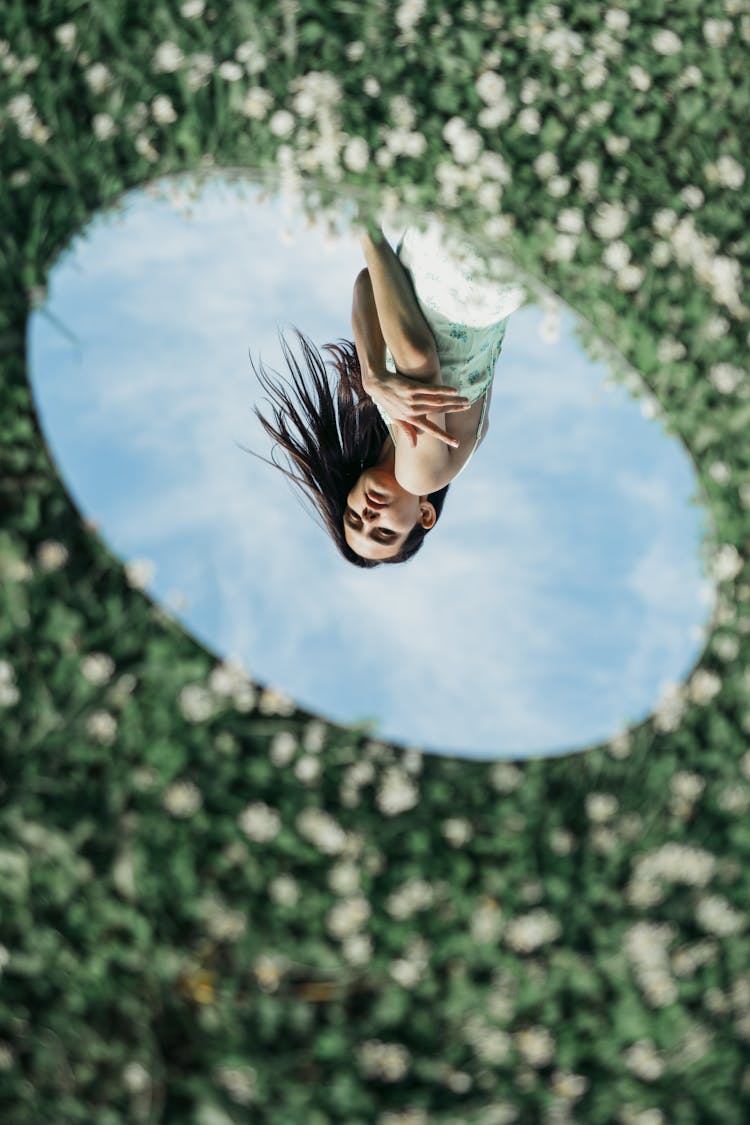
(377, 451)
(557, 586)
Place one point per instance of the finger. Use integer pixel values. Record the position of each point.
(441, 435)
(437, 392)
(409, 430)
(430, 405)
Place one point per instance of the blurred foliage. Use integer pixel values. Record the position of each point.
(190, 934)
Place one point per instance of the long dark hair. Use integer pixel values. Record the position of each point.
(329, 440)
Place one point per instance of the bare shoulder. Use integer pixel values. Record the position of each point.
(425, 467)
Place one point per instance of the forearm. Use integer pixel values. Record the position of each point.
(368, 334)
(402, 322)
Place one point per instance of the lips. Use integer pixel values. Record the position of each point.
(373, 501)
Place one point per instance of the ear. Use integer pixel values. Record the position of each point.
(427, 514)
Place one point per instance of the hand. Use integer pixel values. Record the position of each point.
(408, 401)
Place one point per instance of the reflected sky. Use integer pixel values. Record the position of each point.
(561, 590)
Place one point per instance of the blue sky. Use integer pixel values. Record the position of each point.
(559, 594)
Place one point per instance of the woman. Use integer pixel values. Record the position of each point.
(412, 399)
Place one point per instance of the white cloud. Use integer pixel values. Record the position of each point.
(491, 637)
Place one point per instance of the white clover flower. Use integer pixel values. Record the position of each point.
(145, 147)
(535, 1045)
(640, 79)
(97, 667)
(284, 890)
(616, 255)
(192, 9)
(600, 807)
(570, 220)
(162, 110)
(490, 117)
(457, 831)
(528, 932)
(196, 703)
(661, 254)
(558, 187)
(666, 42)
(281, 123)
(717, 33)
(9, 694)
(230, 71)
(139, 572)
(588, 174)
(668, 349)
(307, 768)
(354, 51)
(20, 107)
(136, 1078)
(259, 822)
(51, 555)
(493, 167)
(348, 916)
(98, 77)
(693, 196)
(402, 111)
(491, 87)
(409, 13)
(704, 685)
(39, 133)
(453, 129)
(499, 227)
(562, 249)
(529, 120)
(65, 34)
(257, 103)
(720, 472)
(726, 647)
(730, 172)
(715, 327)
(396, 793)
(283, 748)
(546, 165)
(467, 147)
(664, 221)
(371, 86)
(104, 126)
(201, 66)
(251, 57)
(239, 1082)
(102, 727)
(630, 278)
(726, 377)
(726, 564)
(601, 111)
(594, 72)
(691, 76)
(616, 146)
(168, 58)
(490, 196)
(356, 155)
(616, 19)
(182, 798)
(610, 220)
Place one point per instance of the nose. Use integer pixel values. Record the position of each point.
(368, 514)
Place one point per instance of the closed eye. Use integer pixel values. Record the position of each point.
(380, 535)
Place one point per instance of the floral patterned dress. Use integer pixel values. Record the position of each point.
(468, 315)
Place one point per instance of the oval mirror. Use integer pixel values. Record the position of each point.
(562, 589)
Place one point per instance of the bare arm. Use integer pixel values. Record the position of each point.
(407, 399)
(403, 324)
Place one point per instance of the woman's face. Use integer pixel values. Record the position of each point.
(380, 514)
